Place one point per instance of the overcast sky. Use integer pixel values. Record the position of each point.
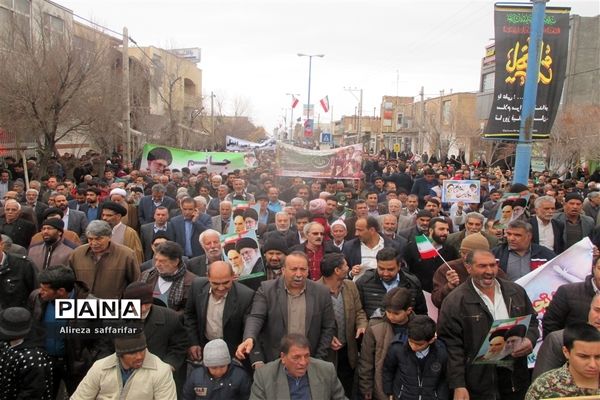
(249, 47)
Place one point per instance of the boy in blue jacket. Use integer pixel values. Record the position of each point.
(416, 368)
(218, 378)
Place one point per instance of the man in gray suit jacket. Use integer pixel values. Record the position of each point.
(316, 379)
(271, 319)
(220, 222)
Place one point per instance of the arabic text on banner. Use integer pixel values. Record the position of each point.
(466, 191)
(512, 25)
(339, 163)
(218, 162)
(571, 266)
(236, 144)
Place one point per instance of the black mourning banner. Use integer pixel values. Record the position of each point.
(512, 24)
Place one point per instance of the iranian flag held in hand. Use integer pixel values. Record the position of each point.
(426, 249)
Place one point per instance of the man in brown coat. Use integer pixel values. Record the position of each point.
(105, 267)
(351, 320)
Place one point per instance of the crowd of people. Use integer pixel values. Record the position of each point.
(343, 300)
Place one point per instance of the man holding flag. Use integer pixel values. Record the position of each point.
(425, 254)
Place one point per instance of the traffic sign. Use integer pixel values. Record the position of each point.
(325, 137)
(396, 147)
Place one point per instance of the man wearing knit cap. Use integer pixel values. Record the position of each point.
(132, 373)
(163, 328)
(218, 377)
(447, 277)
(70, 237)
(274, 250)
(53, 250)
(112, 213)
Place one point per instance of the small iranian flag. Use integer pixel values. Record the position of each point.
(294, 101)
(325, 103)
(426, 249)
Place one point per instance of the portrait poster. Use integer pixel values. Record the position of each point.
(339, 163)
(504, 337)
(512, 206)
(467, 191)
(571, 266)
(242, 250)
(239, 222)
(512, 26)
(174, 158)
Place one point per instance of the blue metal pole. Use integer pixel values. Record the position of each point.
(523, 153)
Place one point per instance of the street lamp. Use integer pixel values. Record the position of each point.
(310, 56)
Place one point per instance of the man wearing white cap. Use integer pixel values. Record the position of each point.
(339, 232)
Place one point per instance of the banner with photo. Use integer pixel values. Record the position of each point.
(243, 252)
(156, 158)
(571, 266)
(512, 206)
(466, 191)
(512, 25)
(339, 163)
(504, 337)
(236, 144)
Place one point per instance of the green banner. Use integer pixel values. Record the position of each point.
(156, 158)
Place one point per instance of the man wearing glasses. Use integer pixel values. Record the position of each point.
(315, 248)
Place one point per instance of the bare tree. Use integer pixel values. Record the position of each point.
(50, 83)
(575, 136)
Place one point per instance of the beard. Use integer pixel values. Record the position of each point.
(439, 239)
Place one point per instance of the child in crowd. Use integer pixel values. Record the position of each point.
(416, 368)
(386, 325)
(218, 378)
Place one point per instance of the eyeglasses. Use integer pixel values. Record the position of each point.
(318, 233)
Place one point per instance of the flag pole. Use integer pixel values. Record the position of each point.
(438, 253)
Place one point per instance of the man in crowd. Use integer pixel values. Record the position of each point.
(74, 220)
(547, 231)
(421, 226)
(571, 302)
(473, 224)
(133, 369)
(53, 250)
(423, 267)
(298, 300)
(361, 251)
(170, 279)
(315, 248)
(486, 299)
(580, 375)
(188, 229)
(519, 256)
(148, 204)
(375, 283)
(105, 267)
(112, 213)
(217, 308)
(211, 245)
(297, 375)
(577, 225)
(220, 222)
(351, 320)
(148, 231)
(274, 250)
(13, 225)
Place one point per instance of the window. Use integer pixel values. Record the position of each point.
(399, 119)
(15, 20)
(446, 112)
(54, 24)
(487, 82)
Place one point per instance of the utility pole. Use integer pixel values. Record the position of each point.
(439, 136)
(523, 152)
(422, 124)
(212, 114)
(126, 105)
(360, 104)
